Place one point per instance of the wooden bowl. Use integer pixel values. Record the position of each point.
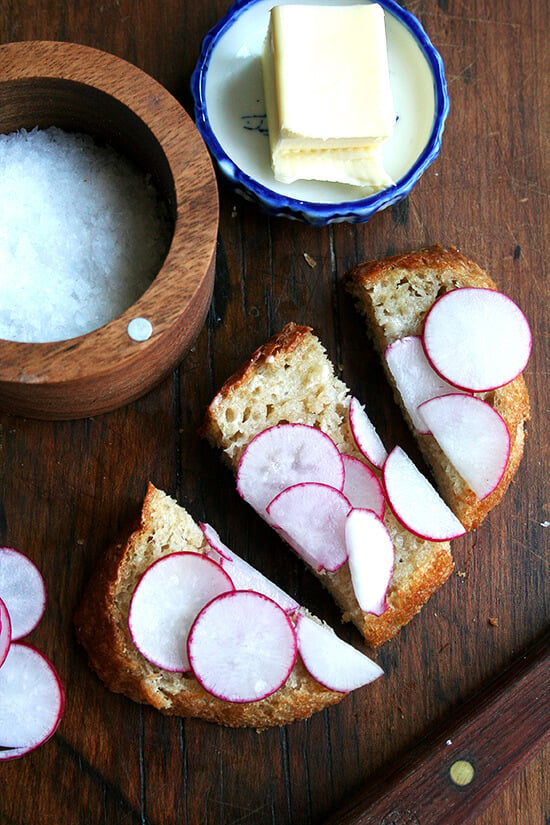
(80, 89)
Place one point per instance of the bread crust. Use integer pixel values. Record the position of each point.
(425, 274)
(295, 349)
(101, 623)
(282, 343)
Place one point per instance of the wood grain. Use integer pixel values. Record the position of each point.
(453, 773)
(66, 487)
(86, 90)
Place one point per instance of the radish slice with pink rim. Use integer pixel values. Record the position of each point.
(5, 632)
(365, 435)
(217, 550)
(473, 436)
(311, 517)
(32, 700)
(22, 590)
(362, 487)
(283, 456)
(166, 601)
(477, 339)
(242, 647)
(415, 377)
(331, 661)
(415, 502)
(244, 576)
(371, 559)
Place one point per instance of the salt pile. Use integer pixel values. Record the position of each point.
(82, 235)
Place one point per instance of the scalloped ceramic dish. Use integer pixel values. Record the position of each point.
(227, 89)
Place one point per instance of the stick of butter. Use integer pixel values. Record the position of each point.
(328, 97)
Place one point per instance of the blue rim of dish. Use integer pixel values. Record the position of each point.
(318, 213)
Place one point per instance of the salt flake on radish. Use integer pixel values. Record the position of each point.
(311, 517)
(243, 575)
(284, 455)
(362, 487)
(477, 339)
(473, 436)
(371, 559)
(5, 632)
(166, 601)
(32, 700)
(414, 377)
(331, 661)
(365, 434)
(415, 502)
(22, 590)
(242, 647)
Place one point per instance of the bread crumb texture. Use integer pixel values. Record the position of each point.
(394, 295)
(101, 623)
(271, 390)
(290, 379)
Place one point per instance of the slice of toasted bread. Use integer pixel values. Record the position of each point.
(395, 295)
(102, 628)
(291, 379)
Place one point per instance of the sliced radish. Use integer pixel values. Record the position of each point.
(371, 559)
(414, 377)
(12, 753)
(473, 436)
(242, 646)
(5, 632)
(244, 576)
(331, 661)
(415, 502)
(166, 601)
(217, 551)
(478, 339)
(366, 437)
(22, 590)
(285, 455)
(361, 486)
(31, 701)
(311, 517)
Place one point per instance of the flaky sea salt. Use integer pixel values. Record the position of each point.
(82, 235)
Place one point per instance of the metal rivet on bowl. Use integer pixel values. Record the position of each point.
(140, 329)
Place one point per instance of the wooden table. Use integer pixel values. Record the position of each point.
(67, 487)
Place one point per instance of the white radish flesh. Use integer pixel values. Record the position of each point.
(361, 486)
(365, 435)
(166, 601)
(371, 559)
(311, 517)
(331, 661)
(217, 550)
(22, 590)
(477, 339)
(244, 576)
(285, 455)
(414, 377)
(473, 436)
(12, 753)
(5, 632)
(242, 647)
(415, 502)
(31, 700)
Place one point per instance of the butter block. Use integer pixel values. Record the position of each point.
(328, 97)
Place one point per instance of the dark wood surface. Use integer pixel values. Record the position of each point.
(67, 487)
(456, 770)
